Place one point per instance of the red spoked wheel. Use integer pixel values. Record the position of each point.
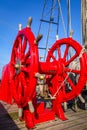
(63, 87)
(23, 66)
(67, 54)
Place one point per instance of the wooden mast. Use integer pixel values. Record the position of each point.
(84, 22)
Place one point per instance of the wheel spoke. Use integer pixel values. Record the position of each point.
(13, 62)
(71, 59)
(72, 70)
(59, 51)
(64, 89)
(19, 48)
(20, 45)
(27, 56)
(16, 53)
(24, 45)
(69, 81)
(19, 89)
(24, 69)
(53, 57)
(13, 76)
(28, 61)
(66, 51)
(24, 84)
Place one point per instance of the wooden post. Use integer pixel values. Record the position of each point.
(84, 25)
(84, 22)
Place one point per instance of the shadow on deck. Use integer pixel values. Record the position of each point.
(6, 122)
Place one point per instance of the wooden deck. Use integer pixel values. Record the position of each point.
(9, 120)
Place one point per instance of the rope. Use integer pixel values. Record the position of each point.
(42, 16)
(80, 55)
(51, 14)
(69, 15)
(62, 18)
(58, 20)
(82, 51)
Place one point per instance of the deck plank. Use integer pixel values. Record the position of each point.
(76, 120)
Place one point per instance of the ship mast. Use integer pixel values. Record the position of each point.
(84, 22)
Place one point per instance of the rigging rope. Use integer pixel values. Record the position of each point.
(69, 25)
(69, 15)
(62, 18)
(42, 16)
(51, 13)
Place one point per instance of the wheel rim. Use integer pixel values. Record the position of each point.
(23, 65)
(59, 53)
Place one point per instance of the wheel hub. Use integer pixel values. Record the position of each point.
(60, 66)
(17, 66)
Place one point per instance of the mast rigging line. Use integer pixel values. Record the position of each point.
(69, 15)
(48, 31)
(51, 21)
(60, 9)
(42, 16)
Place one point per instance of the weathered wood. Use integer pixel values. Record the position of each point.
(9, 120)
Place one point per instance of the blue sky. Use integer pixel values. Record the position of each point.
(14, 12)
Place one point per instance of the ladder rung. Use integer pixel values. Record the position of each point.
(48, 21)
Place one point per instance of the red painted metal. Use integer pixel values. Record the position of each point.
(5, 90)
(40, 115)
(25, 55)
(62, 73)
(63, 66)
(19, 81)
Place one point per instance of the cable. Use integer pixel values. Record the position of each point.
(42, 16)
(62, 18)
(48, 31)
